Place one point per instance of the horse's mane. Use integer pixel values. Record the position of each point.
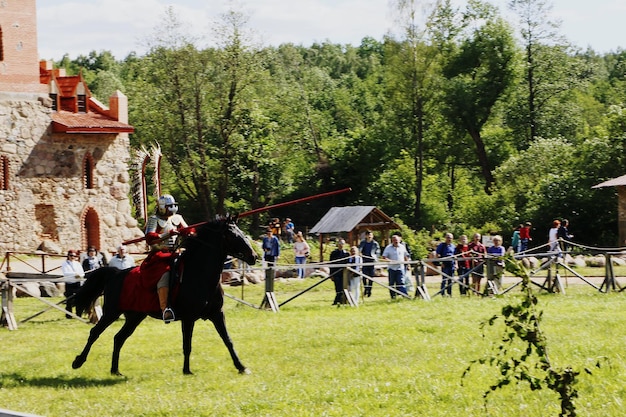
(205, 230)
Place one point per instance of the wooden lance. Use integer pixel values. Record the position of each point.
(259, 210)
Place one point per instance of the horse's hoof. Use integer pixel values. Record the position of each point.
(187, 372)
(78, 362)
(245, 371)
(116, 373)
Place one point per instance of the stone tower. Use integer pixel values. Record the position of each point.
(64, 180)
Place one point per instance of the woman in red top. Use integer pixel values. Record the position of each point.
(524, 236)
(478, 251)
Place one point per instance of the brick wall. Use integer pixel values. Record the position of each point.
(19, 68)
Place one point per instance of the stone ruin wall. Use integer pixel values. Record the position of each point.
(46, 201)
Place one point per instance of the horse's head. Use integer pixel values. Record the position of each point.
(237, 243)
(225, 232)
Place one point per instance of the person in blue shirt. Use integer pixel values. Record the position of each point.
(446, 250)
(290, 230)
(271, 247)
(497, 251)
(370, 250)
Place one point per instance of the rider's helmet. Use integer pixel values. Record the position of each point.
(166, 205)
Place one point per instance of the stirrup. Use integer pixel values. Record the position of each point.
(168, 315)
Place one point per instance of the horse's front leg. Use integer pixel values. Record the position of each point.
(94, 334)
(219, 321)
(132, 321)
(187, 328)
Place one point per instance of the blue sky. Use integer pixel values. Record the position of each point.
(121, 26)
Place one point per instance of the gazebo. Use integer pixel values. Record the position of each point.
(620, 183)
(352, 221)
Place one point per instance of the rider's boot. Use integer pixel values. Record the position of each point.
(168, 313)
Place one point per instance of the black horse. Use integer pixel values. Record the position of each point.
(199, 295)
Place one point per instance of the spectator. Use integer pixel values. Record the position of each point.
(92, 261)
(564, 235)
(354, 284)
(497, 251)
(464, 264)
(276, 227)
(301, 250)
(370, 249)
(515, 239)
(478, 251)
(407, 267)
(73, 275)
(446, 250)
(122, 260)
(289, 229)
(271, 247)
(524, 236)
(553, 239)
(395, 253)
(338, 256)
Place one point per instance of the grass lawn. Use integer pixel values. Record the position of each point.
(384, 358)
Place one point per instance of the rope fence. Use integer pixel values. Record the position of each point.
(547, 276)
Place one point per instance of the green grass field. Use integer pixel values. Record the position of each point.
(384, 358)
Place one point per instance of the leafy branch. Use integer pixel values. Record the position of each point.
(532, 364)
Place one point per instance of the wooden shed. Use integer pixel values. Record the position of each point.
(351, 222)
(620, 184)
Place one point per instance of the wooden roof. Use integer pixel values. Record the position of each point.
(612, 183)
(68, 84)
(90, 122)
(347, 219)
(75, 110)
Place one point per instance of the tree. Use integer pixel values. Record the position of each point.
(549, 70)
(479, 73)
(412, 81)
(105, 84)
(197, 104)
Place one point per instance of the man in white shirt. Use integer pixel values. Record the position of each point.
(396, 251)
(122, 260)
(73, 275)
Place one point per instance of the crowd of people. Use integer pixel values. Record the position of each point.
(460, 262)
(285, 231)
(78, 264)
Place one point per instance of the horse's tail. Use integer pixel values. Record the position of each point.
(93, 287)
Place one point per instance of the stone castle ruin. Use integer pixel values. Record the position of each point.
(64, 156)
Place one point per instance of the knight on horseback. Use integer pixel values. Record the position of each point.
(162, 234)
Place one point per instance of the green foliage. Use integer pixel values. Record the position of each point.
(479, 73)
(416, 125)
(105, 84)
(522, 355)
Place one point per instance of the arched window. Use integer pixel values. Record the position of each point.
(88, 168)
(90, 230)
(4, 172)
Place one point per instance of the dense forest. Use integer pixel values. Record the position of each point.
(465, 122)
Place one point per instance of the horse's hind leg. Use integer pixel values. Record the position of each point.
(131, 323)
(219, 321)
(94, 334)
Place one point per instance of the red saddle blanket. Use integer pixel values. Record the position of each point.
(139, 292)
